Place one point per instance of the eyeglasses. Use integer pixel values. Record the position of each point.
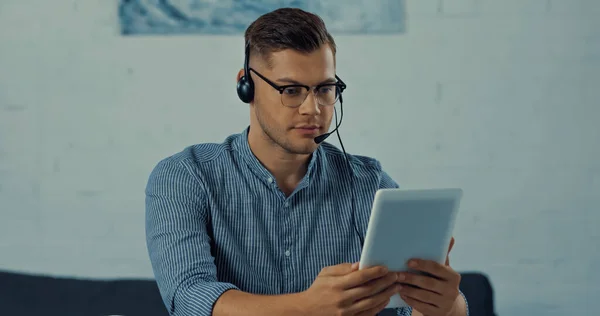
(293, 95)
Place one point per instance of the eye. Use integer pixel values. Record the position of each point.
(325, 89)
(292, 91)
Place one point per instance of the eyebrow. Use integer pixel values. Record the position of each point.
(292, 81)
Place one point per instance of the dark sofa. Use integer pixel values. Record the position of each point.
(37, 295)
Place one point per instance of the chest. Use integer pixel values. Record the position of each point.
(282, 242)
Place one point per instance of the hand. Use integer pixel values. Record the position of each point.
(345, 290)
(433, 295)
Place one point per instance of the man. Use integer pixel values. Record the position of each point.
(270, 222)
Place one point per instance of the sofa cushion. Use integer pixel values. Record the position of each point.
(32, 295)
(479, 292)
(24, 294)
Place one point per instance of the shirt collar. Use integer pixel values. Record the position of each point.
(240, 144)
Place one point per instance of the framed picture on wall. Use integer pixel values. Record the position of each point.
(222, 17)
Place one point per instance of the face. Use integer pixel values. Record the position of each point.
(292, 129)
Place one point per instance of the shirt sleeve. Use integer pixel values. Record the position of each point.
(466, 302)
(404, 311)
(178, 241)
(386, 182)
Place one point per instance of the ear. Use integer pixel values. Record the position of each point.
(240, 74)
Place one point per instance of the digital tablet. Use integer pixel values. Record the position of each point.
(406, 224)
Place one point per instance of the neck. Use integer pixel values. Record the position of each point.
(287, 168)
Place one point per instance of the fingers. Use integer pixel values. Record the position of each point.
(435, 269)
(375, 310)
(372, 287)
(427, 299)
(424, 308)
(422, 281)
(373, 302)
(339, 270)
(421, 295)
(361, 277)
(429, 293)
(449, 249)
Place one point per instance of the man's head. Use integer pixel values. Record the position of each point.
(290, 48)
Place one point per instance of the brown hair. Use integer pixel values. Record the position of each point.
(287, 28)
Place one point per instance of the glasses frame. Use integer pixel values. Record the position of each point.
(340, 87)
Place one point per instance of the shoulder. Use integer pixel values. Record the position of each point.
(201, 153)
(334, 154)
(187, 164)
(363, 166)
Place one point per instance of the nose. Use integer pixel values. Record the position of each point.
(310, 106)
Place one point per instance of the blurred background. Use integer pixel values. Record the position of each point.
(500, 98)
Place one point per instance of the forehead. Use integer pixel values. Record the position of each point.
(308, 68)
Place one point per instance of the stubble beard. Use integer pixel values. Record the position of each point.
(277, 136)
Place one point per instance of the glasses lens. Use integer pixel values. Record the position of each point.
(293, 96)
(328, 94)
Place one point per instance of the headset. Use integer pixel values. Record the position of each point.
(245, 91)
(245, 86)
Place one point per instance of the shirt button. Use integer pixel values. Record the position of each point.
(287, 253)
(286, 204)
(270, 180)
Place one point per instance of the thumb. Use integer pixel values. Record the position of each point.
(449, 249)
(340, 269)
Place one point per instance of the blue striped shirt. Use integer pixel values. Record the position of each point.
(216, 220)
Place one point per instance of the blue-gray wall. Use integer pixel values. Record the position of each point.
(498, 97)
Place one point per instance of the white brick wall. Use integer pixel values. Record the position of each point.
(498, 97)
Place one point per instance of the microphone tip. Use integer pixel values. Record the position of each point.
(319, 139)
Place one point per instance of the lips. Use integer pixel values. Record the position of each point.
(308, 129)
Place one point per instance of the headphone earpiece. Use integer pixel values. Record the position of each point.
(245, 86)
(245, 90)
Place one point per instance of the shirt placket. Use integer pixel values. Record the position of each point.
(288, 255)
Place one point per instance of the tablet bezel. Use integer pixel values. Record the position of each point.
(378, 214)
